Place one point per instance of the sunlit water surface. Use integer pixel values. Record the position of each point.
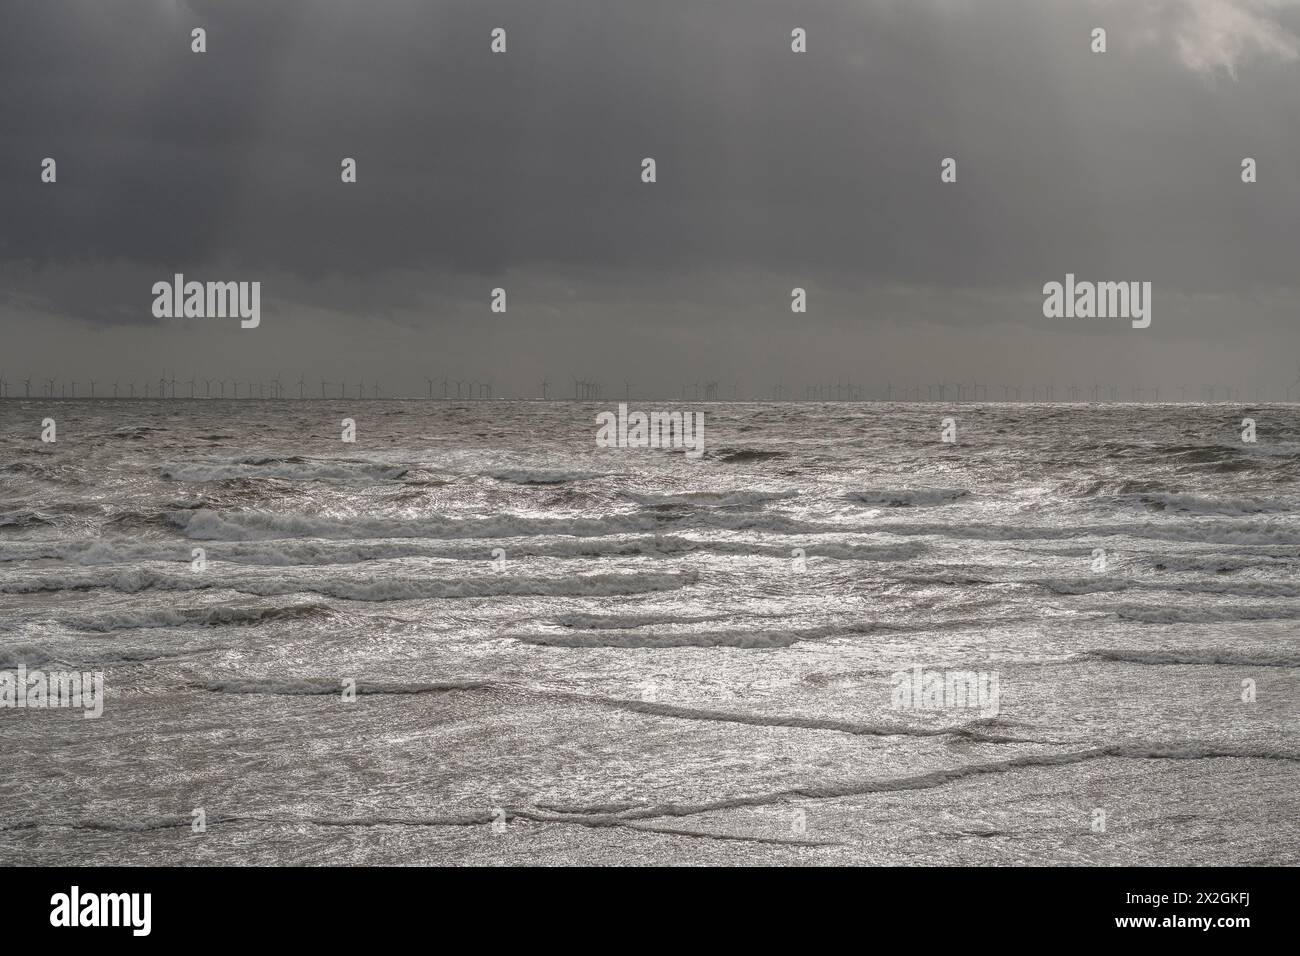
(567, 654)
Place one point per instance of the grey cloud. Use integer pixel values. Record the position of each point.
(821, 168)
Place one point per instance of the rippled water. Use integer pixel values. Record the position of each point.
(666, 660)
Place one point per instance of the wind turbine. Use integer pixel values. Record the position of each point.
(302, 385)
(115, 389)
(545, 386)
(1295, 385)
(92, 388)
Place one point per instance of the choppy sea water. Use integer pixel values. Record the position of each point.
(667, 660)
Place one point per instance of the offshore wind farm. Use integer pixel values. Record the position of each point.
(591, 390)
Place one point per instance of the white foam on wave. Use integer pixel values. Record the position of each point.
(907, 498)
(628, 621)
(1102, 583)
(1218, 656)
(339, 470)
(542, 476)
(290, 552)
(319, 687)
(751, 639)
(220, 615)
(1200, 505)
(388, 588)
(23, 655)
(1204, 531)
(711, 499)
(1207, 615)
(613, 814)
(204, 524)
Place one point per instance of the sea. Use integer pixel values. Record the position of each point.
(844, 634)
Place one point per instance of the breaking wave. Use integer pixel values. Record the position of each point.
(1207, 615)
(391, 588)
(752, 639)
(524, 476)
(925, 497)
(289, 469)
(120, 620)
(321, 687)
(1226, 658)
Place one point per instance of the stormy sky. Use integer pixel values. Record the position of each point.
(775, 169)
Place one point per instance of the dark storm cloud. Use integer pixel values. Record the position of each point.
(1119, 164)
(818, 170)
